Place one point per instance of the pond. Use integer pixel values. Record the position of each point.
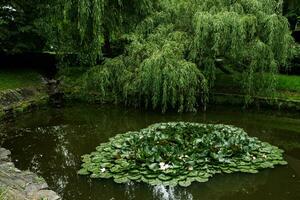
(50, 142)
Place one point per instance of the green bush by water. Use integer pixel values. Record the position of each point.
(179, 153)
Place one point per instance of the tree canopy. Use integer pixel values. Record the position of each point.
(84, 26)
(174, 54)
(18, 29)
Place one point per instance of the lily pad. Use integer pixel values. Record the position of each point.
(121, 180)
(184, 183)
(83, 172)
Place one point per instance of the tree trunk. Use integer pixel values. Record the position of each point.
(107, 46)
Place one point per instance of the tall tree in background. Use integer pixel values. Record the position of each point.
(292, 11)
(18, 31)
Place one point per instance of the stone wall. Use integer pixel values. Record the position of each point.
(14, 102)
(21, 185)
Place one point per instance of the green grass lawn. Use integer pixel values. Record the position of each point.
(289, 83)
(12, 79)
(288, 86)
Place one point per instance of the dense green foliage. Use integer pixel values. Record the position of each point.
(19, 31)
(172, 56)
(155, 75)
(294, 64)
(83, 27)
(291, 10)
(179, 153)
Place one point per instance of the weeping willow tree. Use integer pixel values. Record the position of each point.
(152, 73)
(251, 37)
(175, 52)
(85, 27)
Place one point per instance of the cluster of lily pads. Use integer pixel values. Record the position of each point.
(179, 153)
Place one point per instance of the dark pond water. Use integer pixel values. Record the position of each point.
(50, 143)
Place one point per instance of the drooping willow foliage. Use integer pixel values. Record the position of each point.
(249, 35)
(82, 27)
(174, 53)
(155, 75)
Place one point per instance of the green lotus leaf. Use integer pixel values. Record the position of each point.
(106, 165)
(144, 172)
(173, 182)
(125, 165)
(193, 174)
(150, 176)
(145, 180)
(86, 158)
(134, 177)
(134, 171)
(184, 183)
(121, 180)
(204, 174)
(83, 172)
(200, 179)
(94, 170)
(253, 171)
(105, 175)
(117, 176)
(181, 178)
(266, 165)
(164, 177)
(283, 162)
(155, 182)
(116, 169)
(228, 171)
(153, 166)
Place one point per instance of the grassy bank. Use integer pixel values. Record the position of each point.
(13, 79)
(288, 86)
(20, 91)
(289, 83)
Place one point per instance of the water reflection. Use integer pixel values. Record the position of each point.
(169, 193)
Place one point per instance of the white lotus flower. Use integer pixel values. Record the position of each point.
(163, 166)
